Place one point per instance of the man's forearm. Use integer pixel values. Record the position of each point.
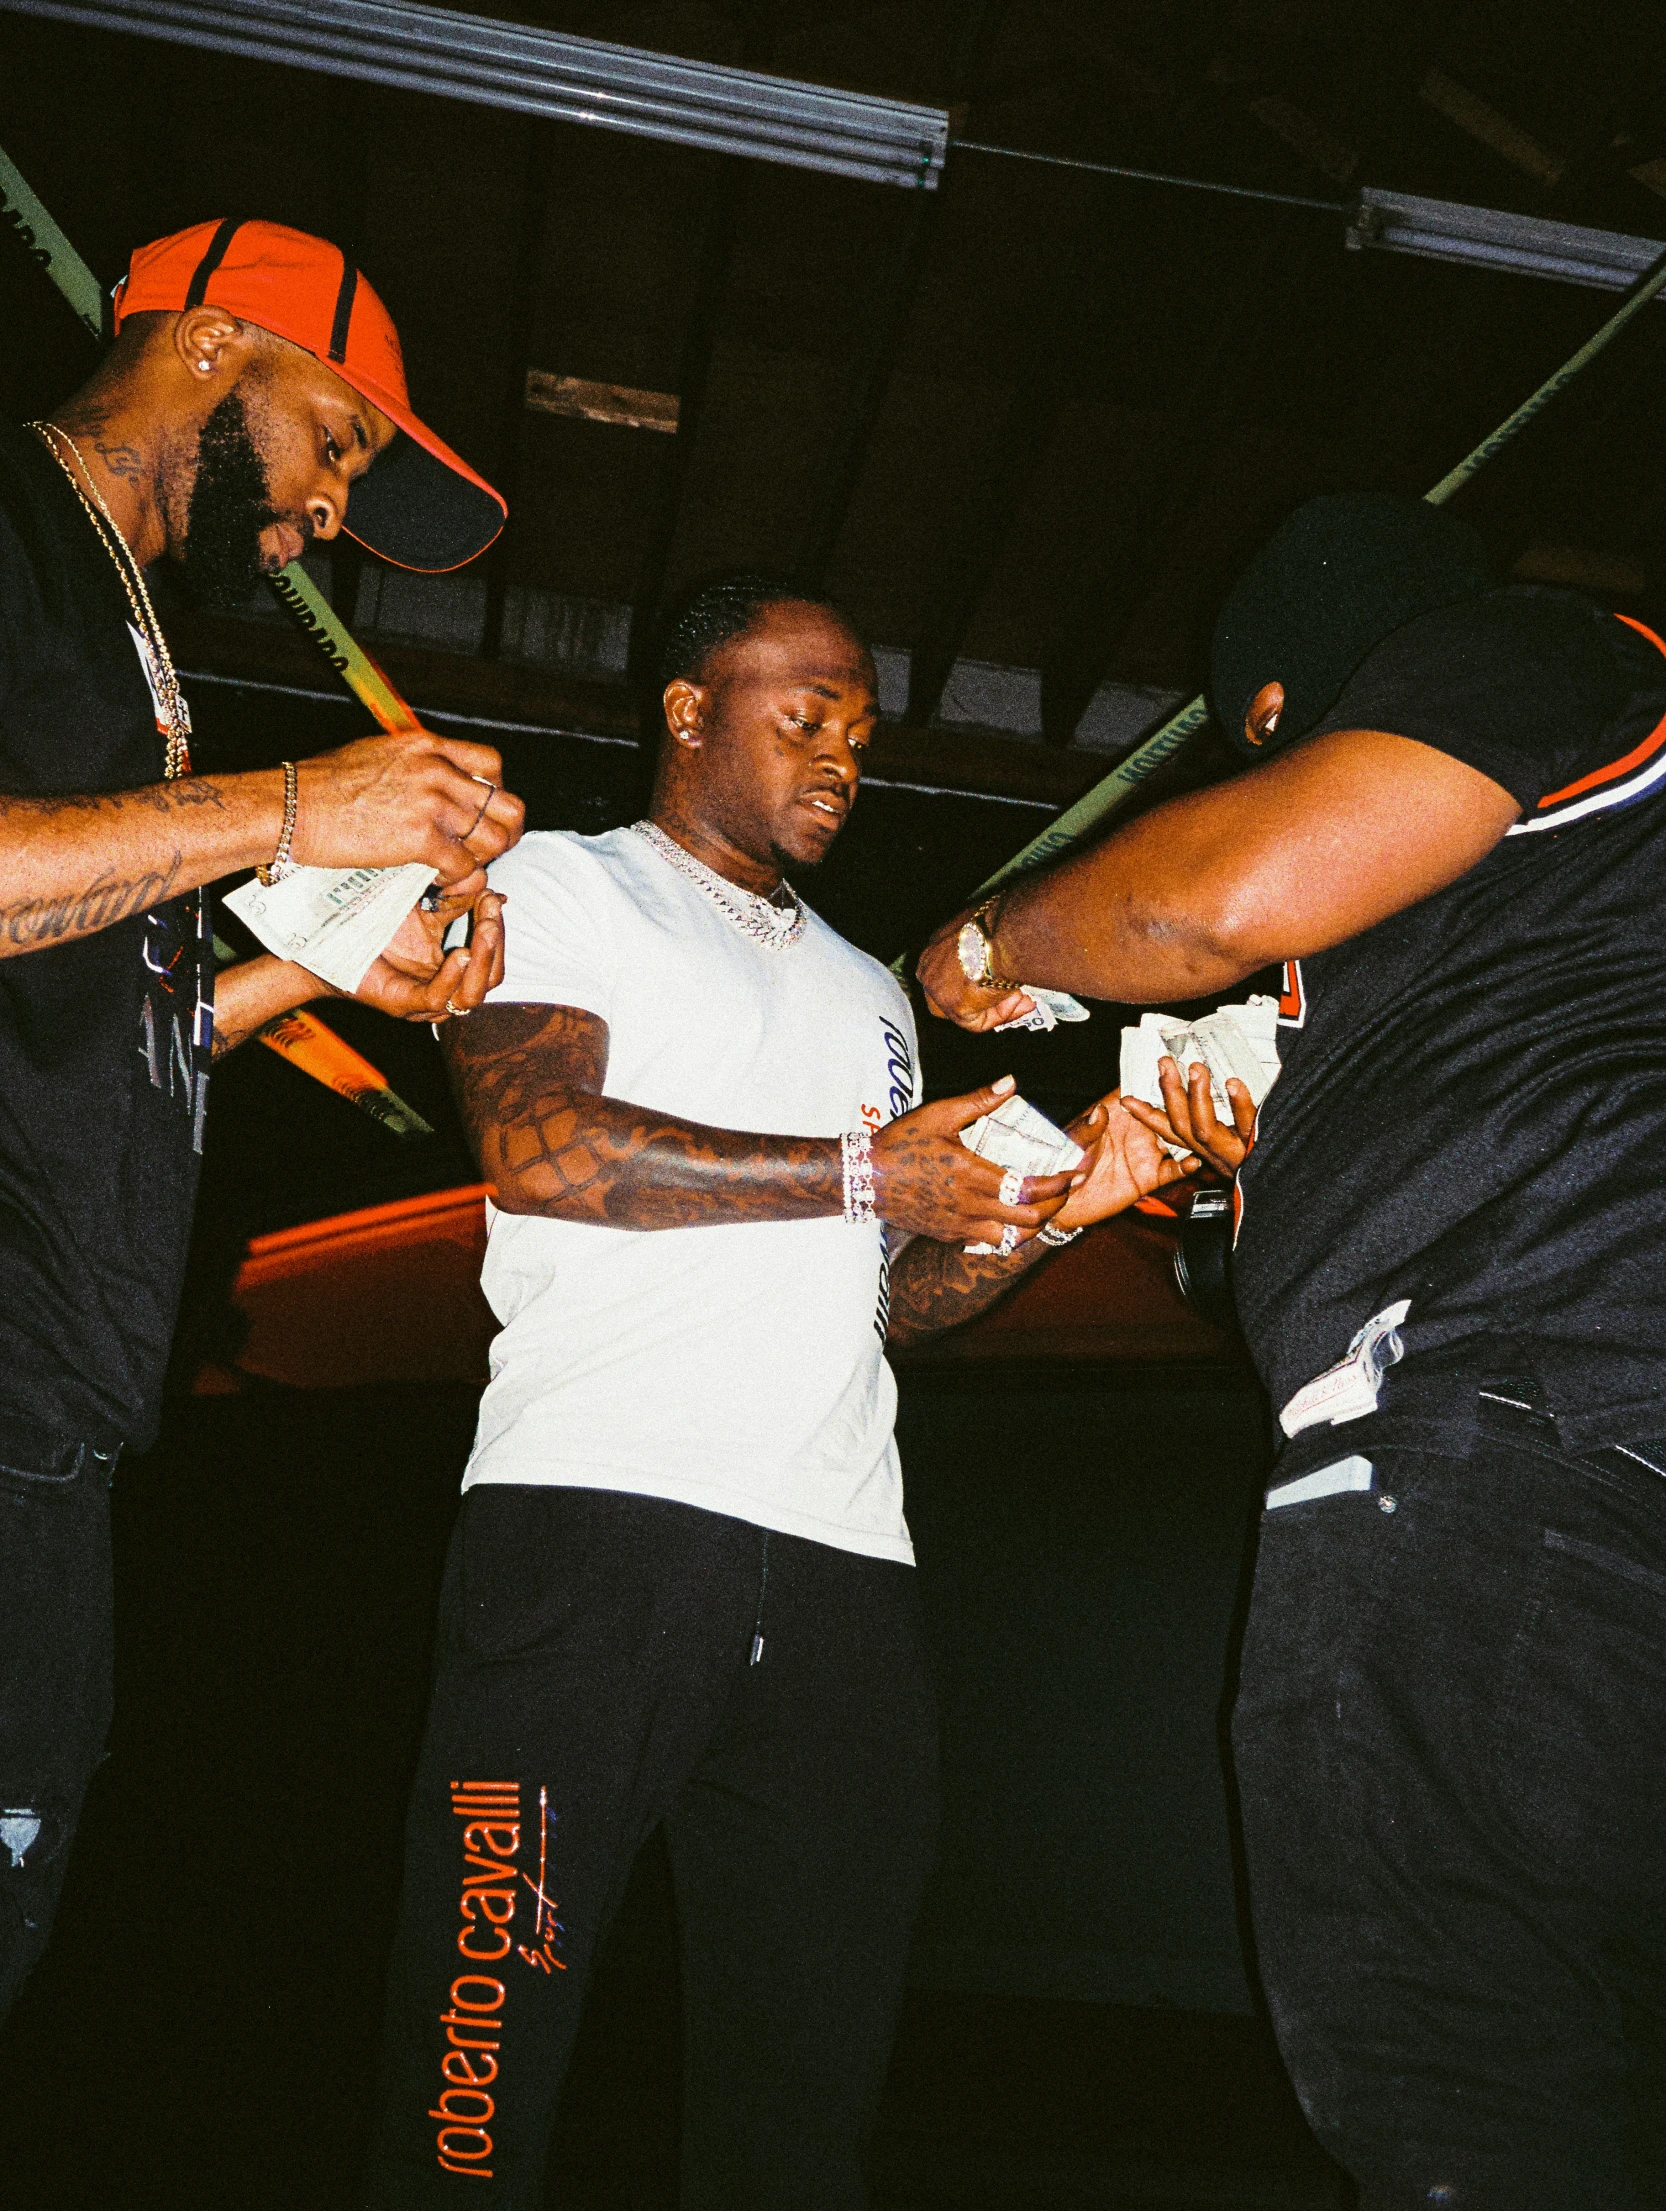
(72, 866)
(936, 1286)
(1285, 861)
(254, 992)
(588, 1158)
(528, 1083)
(1126, 922)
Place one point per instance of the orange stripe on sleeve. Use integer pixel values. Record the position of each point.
(1651, 743)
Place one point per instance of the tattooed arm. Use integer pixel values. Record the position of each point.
(72, 866)
(529, 1078)
(935, 1285)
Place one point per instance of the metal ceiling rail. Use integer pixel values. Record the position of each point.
(551, 74)
(1442, 230)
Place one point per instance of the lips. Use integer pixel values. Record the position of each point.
(828, 806)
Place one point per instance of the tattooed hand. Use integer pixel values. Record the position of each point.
(927, 1182)
(410, 796)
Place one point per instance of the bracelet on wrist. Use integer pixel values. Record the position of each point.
(1056, 1238)
(280, 863)
(856, 1158)
(976, 950)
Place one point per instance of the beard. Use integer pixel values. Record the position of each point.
(230, 504)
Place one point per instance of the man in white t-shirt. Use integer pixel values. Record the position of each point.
(680, 1590)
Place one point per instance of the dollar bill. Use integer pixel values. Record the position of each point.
(1239, 1041)
(1051, 1007)
(335, 921)
(1016, 1135)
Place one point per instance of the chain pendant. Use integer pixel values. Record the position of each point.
(774, 927)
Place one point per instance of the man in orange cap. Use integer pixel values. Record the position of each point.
(254, 380)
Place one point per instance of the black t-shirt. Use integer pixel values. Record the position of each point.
(104, 1042)
(1471, 1112)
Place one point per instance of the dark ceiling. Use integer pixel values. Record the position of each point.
(1034, 418)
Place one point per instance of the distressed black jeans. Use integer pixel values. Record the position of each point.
(55, 1668)
(1450, 1742)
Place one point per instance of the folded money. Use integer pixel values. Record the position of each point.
(1233, 1040)
(1015, 1135)
(1051, 1007)
(336, 921)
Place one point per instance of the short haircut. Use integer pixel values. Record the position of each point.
(725, 608)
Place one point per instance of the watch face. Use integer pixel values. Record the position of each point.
(973, 947)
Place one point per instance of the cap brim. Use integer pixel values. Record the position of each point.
(418, 505)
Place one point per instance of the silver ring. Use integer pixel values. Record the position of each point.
(1012, 1186)
(491, 790)
(457, 1013)
(1009, 1241)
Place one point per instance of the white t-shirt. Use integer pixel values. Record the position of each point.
(738, 1367)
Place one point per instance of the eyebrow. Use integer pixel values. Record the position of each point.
(821, 688)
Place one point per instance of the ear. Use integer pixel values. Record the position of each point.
(210, 344)
(685, 710)
(1261, 715)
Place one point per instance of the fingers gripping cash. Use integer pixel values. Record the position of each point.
(1015, 1136)
(335, 922)
(1235, 1046)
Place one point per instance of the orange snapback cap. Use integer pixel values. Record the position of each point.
(418, 505)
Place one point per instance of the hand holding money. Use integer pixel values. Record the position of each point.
(1197, 1085)
(1024, 1143)
(416, 979)
(375, 824)
(408, 798)
(927, 1182)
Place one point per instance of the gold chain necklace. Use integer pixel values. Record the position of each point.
(177, 761)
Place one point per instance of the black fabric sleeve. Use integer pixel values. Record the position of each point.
(19, 606)
(1537, 689)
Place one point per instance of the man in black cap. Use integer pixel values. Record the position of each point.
(253, 381)
(1449, 1266)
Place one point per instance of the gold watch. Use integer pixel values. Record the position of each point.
(976, 948)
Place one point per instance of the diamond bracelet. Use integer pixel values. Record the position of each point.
(856, 1157)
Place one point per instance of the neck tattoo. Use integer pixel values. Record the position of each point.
(177, 760)
(771, 924)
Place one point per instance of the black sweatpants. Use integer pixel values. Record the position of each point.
(1450, 1744)
(608, 1662)
(55, 1671)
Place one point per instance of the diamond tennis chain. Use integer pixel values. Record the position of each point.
(771, 925)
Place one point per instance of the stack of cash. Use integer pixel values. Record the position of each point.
(336, 921)
(1233, 1040)
(1015, 1135)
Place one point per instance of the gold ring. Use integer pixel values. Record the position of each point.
(457, 1013)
